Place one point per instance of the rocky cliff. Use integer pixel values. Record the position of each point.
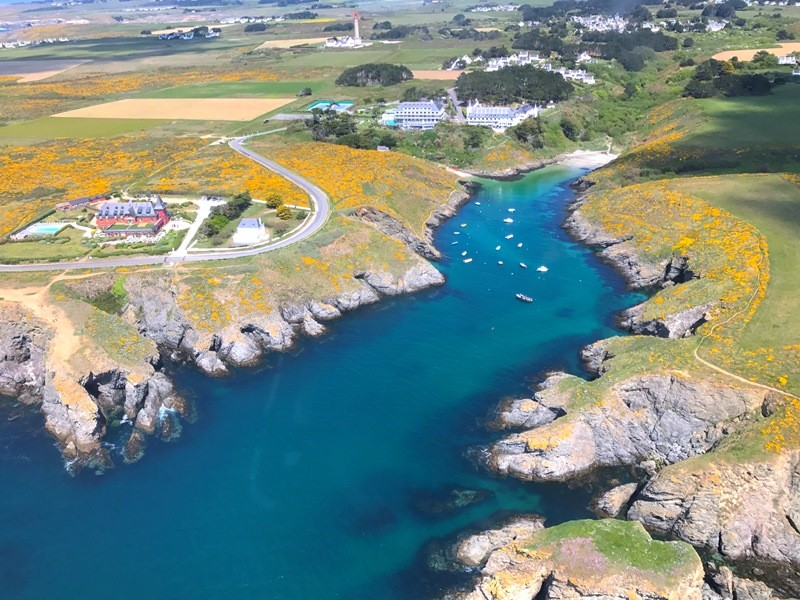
(88, 349)
(612, 560)
(716, 458)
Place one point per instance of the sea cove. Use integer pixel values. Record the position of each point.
(313, 476)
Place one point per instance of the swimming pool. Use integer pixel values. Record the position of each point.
(40, 229)
(330, 104)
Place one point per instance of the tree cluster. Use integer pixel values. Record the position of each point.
(400, 32)
(374, 74)
(341, 128)
(222, 215)
(718, 78)
(514, 84)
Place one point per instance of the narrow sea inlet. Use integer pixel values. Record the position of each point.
(322, 474)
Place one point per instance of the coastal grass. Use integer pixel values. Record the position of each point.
(67, 244)
(624, 544)
(747, 122)
(770, 202)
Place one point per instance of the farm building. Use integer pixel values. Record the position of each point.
(78, 202)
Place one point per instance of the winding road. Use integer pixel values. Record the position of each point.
(320, 212)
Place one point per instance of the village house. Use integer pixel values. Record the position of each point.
(126, 218)
(499, 118)
(249, 231)
(418, 115)
(789, 59)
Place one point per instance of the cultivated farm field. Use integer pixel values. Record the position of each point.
(193, 109)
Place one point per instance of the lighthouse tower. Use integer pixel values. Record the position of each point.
(356, 32)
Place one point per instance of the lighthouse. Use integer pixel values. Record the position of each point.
(356, 32)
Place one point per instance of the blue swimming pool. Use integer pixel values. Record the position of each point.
(42, 229)
(330, 104)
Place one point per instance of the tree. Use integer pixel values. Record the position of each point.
(640, 14)
(255, 27)
(306, 91)
(765, 60)
(273, 201)
(284, 212)
(782, 34)
(145, 32)
(688, 42)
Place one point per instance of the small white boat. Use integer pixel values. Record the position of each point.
(543, 269)
(497, 248)
(512, 210)
(524, 298)
(509, 236)
(453, 243)
(467, 260)
(463, 224)
(508, 220)
(477, 204)
(456, 233)
(500, 262)
(464, 253)
(519, 245)
(523, 265)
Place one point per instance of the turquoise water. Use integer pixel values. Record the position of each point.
(326, 104)
(299, 480)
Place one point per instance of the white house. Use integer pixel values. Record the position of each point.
(499, 118)
(418, 115)
(583, 57)
(796, 72)
(249, 231)
(787, 60)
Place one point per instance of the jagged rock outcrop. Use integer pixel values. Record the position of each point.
(547, 404)
(522, 561)
(78, 413)
(745, 509)
(722, 584)
(388, 225)
(22, 354)
(474, 550)
(615, 500)
(665, 417)
(674, 325)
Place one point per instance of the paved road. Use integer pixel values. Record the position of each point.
(454, 99)
(320, 212)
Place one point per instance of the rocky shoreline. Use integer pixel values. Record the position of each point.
(81, 407)
(663, 423)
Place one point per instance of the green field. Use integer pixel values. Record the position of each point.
(67, 244)
(772, 205)
(67, 127)
(240, 89)
(762, 120)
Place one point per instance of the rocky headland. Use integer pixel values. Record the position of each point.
(693, 436)
(89, 350)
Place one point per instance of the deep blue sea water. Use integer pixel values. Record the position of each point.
(299, 480)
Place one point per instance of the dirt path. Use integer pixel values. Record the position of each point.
(725, 372)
